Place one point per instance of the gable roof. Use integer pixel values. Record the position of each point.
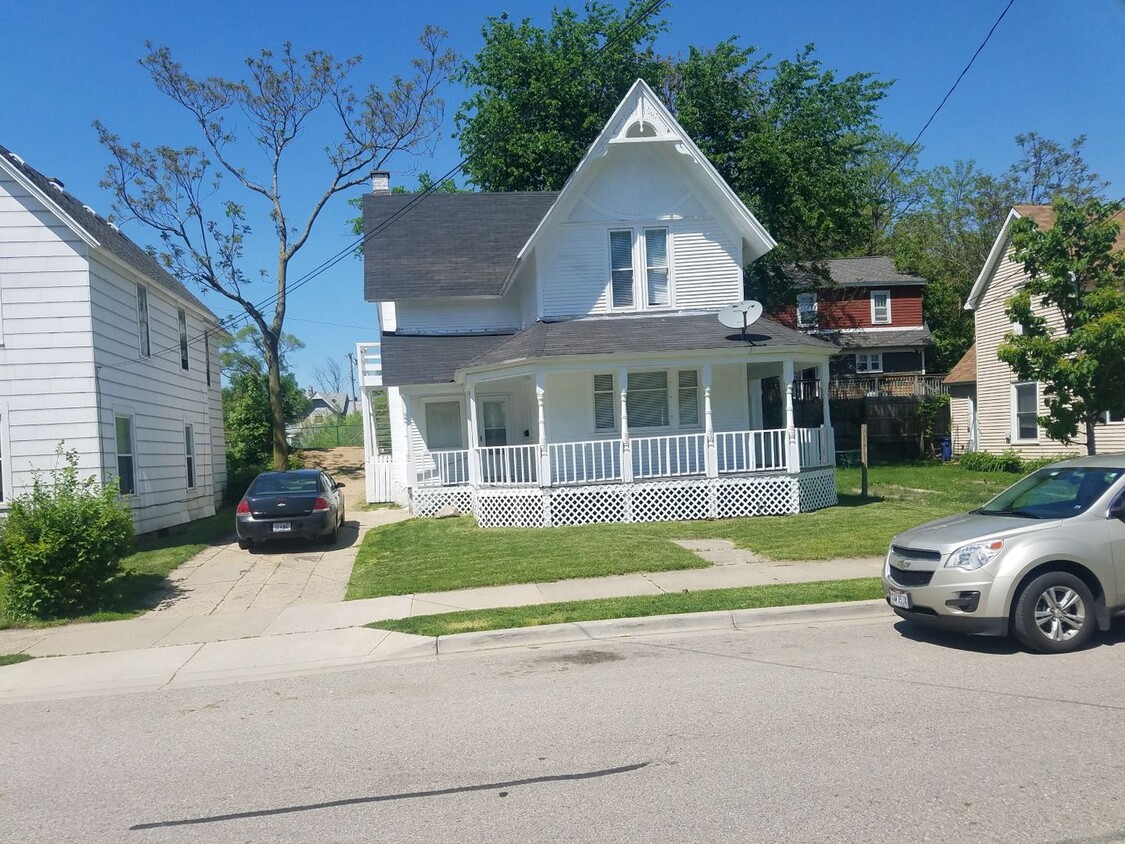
(470, 242)
(872, 271)
(965, 370)
(640, 107)
(1044, 217)
(93, 229)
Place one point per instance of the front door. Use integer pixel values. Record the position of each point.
(494, 421)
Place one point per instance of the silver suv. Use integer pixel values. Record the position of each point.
(1044, 560)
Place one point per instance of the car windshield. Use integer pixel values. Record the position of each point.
(1053, 493)
(284, 485)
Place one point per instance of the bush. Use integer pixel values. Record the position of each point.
(62, 543)
(1008, 460)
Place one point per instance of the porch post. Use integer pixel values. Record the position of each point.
(829, 450)
(474, 453)
(411, 467)
(540, 399)
(793, 461)
(370, 445)
(712, 457)
(626, 453)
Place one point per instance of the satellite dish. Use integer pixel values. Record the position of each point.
(741, 316)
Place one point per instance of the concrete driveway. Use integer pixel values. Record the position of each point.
(227, 579)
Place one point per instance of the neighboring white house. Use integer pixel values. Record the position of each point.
(101, 349)
(992, 410)
(556, 358)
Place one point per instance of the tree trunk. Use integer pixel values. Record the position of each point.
(277, 408)
(1091, 446)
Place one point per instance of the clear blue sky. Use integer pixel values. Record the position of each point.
(1057, 68)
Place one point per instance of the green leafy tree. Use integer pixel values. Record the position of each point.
(246, 402)
(1075, 275)
(1047, 170)
(192, 196)
(542, 95)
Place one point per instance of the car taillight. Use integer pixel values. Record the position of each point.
(320, 505)
(243, 507)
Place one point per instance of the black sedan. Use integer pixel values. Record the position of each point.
(298, 504)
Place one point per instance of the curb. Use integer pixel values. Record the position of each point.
(590, 631)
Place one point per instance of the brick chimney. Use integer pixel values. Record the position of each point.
(380, 182)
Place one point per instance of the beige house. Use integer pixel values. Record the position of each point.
(992, 410)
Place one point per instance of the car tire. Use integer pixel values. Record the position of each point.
(1054, 613)
(333, 535)
(244, 544)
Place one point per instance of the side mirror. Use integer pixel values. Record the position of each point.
(1117, 511)
(340, 486)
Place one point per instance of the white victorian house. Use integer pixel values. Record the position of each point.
(555, 358)
(102, 350)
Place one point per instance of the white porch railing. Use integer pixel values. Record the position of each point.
(751, 451)
(369, 360)
(602, 461)
(509, 465)
(669, 457)
(592, 461)
(443, 468)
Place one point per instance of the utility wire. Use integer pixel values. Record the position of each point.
(234, 320)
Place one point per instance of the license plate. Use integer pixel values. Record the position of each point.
(899, 599)
(282, 527)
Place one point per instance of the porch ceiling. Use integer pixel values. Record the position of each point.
(640, 335)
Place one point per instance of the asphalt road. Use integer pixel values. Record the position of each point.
(861, 731)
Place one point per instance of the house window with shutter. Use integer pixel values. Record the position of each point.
(880, 307)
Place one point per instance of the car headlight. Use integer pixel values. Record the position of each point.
(975, 556)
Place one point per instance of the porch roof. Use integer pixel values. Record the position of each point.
(408, 359)
(881, 339)
(640, 334)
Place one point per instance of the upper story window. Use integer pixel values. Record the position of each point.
(142, 320)
(1025, 411)
(806, 310)
(880, 306)
(640, 269)
(183, 339)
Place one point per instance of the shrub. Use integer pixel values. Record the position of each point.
(1008, 460)
(62, 543)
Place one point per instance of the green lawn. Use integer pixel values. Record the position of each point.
(749, 597)
(144, 570)
(427, 555)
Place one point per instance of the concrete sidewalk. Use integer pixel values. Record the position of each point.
(170, 648)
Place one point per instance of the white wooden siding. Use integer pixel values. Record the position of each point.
(446, 315)
(995, 378)
(708, 273)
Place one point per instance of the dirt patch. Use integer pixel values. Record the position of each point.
(345, 464)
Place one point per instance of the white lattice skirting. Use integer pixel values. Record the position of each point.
(653, 501)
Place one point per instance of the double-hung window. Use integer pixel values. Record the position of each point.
(654, 399)
(869, 362)
(806, 310)
(126, 468)
(640, 269)
(142, 321)
(880, 307)
(189, 455)
(183, 339)
(1025, 410)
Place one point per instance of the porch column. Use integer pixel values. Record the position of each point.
(369, 443)
(626, 452)
(829, 441)
(540, 400)
(793, 461)
(408, 421)
(712, 455)
(474, 453)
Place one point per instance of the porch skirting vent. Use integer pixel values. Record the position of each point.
(654, 501)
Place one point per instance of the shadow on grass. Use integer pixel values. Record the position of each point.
(844, 499)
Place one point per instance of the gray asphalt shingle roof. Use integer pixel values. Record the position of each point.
(455, 244)
(882, 339)
(875, 270)
(107, 235)
(409, 359)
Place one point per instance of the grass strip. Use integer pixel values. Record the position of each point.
(639, 606)
(12, 659)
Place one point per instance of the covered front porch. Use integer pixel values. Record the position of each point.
(652, 440)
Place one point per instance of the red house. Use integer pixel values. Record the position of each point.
(873, 313)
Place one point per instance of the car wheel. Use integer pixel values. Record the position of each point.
(244, 544)
(1054, 613)
(334, 534)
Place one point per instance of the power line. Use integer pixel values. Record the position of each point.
(945, 99)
